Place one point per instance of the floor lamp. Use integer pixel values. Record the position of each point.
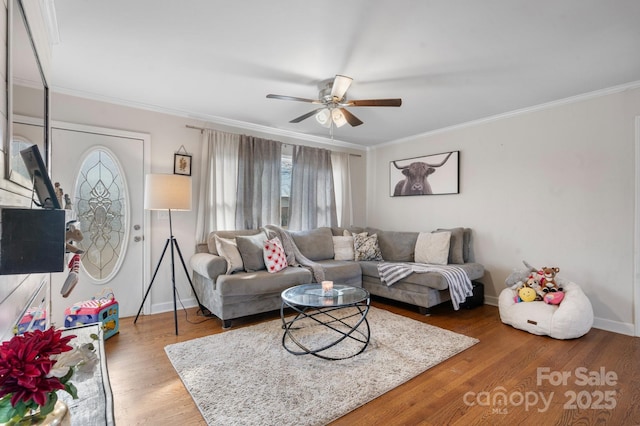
(168, 192)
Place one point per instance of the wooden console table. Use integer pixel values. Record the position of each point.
(94, 405)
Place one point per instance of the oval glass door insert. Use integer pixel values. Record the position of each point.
(101, 204)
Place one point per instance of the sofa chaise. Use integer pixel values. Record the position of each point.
(232, 286)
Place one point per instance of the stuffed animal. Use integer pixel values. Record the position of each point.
(527, 294)
(554, 298)
(548, 281)
(533, 281)
(73, 234)
(519, 277)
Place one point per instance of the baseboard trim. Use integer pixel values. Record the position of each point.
(491, 300)
(159, 308)
(614, 326)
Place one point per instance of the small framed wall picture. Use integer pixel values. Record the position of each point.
(182, 164)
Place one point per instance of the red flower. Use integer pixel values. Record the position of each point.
(25, 364)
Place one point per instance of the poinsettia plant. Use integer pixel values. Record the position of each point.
(28, 378)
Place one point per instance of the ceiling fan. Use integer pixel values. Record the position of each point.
(333, 98)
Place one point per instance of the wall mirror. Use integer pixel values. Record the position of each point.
(28, 97)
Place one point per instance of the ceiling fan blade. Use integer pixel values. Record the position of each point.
(340, 86)
(351, 119)
(375, 102)
(293, 98)
(305, 116)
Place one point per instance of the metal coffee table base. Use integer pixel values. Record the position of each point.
(332, 319)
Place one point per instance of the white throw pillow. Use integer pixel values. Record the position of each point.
(228, 249)
(433, 248)
(343, 248)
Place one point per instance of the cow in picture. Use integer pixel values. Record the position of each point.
(415, 180)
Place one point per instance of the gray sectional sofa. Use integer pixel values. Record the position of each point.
(254, 290)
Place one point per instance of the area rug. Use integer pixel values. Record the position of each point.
(246, 377)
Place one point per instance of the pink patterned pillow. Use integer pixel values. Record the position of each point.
(274, 256)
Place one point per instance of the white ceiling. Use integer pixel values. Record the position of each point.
(450, 61)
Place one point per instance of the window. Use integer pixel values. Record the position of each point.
(285, 188)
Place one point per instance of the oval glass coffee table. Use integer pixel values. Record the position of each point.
(328, 324)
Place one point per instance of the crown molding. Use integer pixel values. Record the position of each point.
(209, 119)
(527, 110)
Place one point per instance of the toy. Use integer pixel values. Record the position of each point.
(33, 319)
(548, 281)
(554, 298)
(519, 277)
(533, 281)
(73, 234)
(527, 294)
(103, 310)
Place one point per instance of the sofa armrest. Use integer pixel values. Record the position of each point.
(208, 265)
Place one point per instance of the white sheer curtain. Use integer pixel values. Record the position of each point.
(218, 183)
(258, 193)
(313, 202)
(341, 165)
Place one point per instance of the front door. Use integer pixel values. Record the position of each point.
(101, 176)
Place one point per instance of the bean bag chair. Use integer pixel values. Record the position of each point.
(572, 318)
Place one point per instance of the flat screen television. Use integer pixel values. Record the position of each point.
(41, 183)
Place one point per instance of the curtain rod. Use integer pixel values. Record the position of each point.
(202, 129)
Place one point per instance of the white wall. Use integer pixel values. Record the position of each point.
(168, 133)
(553, 186)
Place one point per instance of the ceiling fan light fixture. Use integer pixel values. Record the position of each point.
(324, 117)
(340, 86)
(338, 118)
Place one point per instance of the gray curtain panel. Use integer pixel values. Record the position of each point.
(258, 193)
(216, 203)
(313, 202)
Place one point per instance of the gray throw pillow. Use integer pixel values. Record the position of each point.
(456, 247)
(228, 249)
(251, 249)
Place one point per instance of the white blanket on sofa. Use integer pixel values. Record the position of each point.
(460, 286)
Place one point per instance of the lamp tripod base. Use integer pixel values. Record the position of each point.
(174, 245)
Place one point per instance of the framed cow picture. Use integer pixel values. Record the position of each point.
(429, 175)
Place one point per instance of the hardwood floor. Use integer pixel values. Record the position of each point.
(587, 381)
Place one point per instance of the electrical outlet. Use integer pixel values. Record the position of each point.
(163, 215)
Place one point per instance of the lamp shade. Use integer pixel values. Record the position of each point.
(324, 117)
(338, 117)
(167, 192)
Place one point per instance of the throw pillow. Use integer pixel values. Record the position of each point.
(343, 248)
(456, 246)
(274, 256)
(433, 247)
(365, 247)
(228, 249)
(250, 247)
